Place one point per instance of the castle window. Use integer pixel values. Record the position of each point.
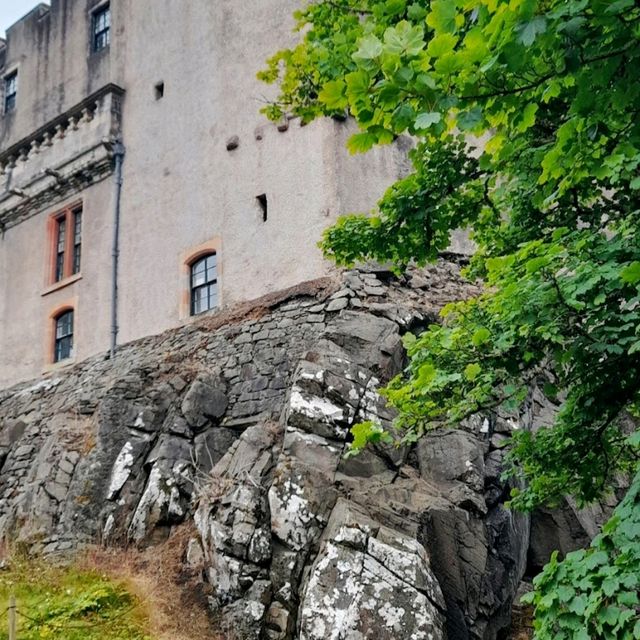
(204, 284)
(64, 336)
(67, 243)
(77, 239)
(102, 28)
(10, 91)
(61, 243)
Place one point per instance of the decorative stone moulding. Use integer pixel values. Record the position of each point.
(61, 157)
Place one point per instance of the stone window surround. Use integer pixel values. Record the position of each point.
(187, 258)
(70, 304)
(51, 284)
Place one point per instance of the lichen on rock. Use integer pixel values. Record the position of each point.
(240, 422)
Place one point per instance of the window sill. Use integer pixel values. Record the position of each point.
(57, 366)
(96, 53)
(188, 319)
(62, 284)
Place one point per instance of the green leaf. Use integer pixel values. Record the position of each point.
(472, 371)
(442, 16)
(361, 142)
(468, 120)
(426, 120)
(480, 336)
(528, 118)
(333, 94)
(577, 605)
(416, 12)
(404, 38)
(365, 433)
(631, 273)
(358, 83)
(530, 30)
(369, 49)
(441, 44)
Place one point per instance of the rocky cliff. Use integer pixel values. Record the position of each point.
(239, 421)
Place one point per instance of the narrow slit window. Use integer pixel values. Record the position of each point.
(61, 243)
(77, 240)
(66, 242)
(159, 90)
(64, 337)
(264, 207)
(204, 284)
(102, 28)
(10, 91)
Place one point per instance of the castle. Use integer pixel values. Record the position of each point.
(141, 187)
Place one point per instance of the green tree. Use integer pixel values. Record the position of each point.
(525, 114)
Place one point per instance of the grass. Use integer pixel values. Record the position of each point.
(69, 603)
(110, 594)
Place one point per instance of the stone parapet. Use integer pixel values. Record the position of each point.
(67, 154)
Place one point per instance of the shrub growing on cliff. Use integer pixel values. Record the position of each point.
(550, 92)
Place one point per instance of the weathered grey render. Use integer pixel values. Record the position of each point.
(167, 91)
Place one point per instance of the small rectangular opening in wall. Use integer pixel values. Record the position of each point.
(159, 90)
(262, 203)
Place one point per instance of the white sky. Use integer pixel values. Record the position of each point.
(12, 10)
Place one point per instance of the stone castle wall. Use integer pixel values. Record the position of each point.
(184, 186)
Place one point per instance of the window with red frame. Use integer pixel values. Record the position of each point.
(67, 243)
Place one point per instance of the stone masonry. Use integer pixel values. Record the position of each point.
(240, 422)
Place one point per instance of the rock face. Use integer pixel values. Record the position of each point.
(241, 422)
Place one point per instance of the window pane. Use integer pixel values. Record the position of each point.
(199, 300)
(198, 278)
(60, 248)
(59, 267)
(64, 336)
(204, 288)
(77, 239)
(198, 273)
(212, 274)
(101, 28)
(62, 227)
(77, 252)
(10, 91)
(64, 348)
(77, 226)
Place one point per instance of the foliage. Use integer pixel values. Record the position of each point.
(61, 603)
(594, 593)
(525, 114)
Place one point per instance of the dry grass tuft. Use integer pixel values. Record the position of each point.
(173, 595)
